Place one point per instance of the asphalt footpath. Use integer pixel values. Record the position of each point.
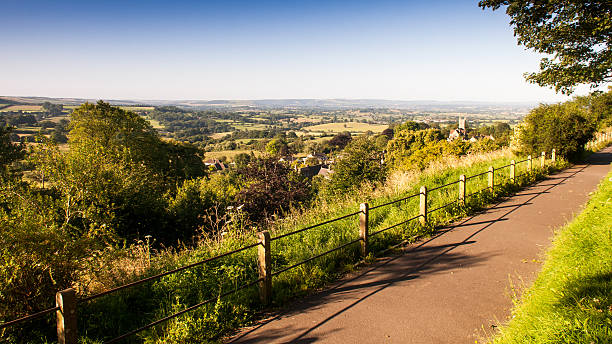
(455, 287)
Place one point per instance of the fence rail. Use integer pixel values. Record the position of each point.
(66, 301)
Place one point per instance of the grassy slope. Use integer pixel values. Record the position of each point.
(571, 300)
(175, 292)
(121, 312)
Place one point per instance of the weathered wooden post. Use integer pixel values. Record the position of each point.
(491, 178)
(66, 316)
(513, 171)
(423, 205)
(543, 160)
(265, 267)
(529, 164)
(462, 189)
(364, 215)
(553, 155)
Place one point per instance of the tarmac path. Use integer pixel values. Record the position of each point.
(452, 288)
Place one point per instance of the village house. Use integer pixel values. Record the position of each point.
(215, 164)
(460, 132)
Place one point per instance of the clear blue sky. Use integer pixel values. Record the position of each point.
(408, 50)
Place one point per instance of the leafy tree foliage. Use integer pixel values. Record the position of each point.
(53, 109)
(271, 187)
(9, 152)
(388, 133)
(37, 256)
(116, 173)
(576, 33)
(119, 132)
(340, 140)
(202, 204)
(417, 149)
(359, 163)
(277, 146)
(410, 126)
(565, 127)
(407, 141)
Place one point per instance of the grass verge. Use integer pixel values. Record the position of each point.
(571, 299)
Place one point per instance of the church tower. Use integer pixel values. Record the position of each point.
(462, 123)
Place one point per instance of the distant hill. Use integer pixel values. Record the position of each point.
(412, 105)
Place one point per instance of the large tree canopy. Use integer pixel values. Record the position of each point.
(577, 34)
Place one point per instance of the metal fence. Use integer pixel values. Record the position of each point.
(67, 301)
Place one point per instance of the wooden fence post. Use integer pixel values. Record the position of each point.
(529, 164)
(553, 155)
(491, 178)
(363, 227)
(423, 205)
(66, 316)
(513, 171)
(543, 160)
(265, 267)
(462, 189)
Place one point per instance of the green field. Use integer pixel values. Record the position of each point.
(353, 127)
(154, 123)
(571, 300)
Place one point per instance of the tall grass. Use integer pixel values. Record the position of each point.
(571, 299)
(117, 313)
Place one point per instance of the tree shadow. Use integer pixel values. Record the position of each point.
(594, 290)
(416, 261)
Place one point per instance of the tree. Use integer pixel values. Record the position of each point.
(271, 187)
(565, 127)
(360, 162)
(577, 35)
(9, 152)
(277, 147)
(411, 126)
(115, 132)
(53, 109)
(340, 140)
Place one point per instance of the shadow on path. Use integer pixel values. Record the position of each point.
(418, 259)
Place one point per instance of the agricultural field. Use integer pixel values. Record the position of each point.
(137, 108)
(24, 108)
(57, 119)
(352, 127)
(229, 154)
(154, 123)
(220, 135)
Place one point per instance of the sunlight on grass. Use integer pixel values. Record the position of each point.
(571, 300)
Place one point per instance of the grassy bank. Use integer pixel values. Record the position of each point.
(571, 300)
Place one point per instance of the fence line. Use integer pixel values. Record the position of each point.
(66, 306)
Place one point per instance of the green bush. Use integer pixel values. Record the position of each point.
(565, 127)
(359, 163)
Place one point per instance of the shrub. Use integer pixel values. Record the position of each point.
(360, 163)
(565, 127)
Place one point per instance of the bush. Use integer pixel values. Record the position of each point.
(38, 256)
(359, 163)
(564, 127)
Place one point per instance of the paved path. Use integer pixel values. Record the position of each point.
(452, 288)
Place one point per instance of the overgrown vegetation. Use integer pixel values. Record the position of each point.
(122, 204)
(571, 300)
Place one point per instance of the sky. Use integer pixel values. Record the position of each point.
(385, 49)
